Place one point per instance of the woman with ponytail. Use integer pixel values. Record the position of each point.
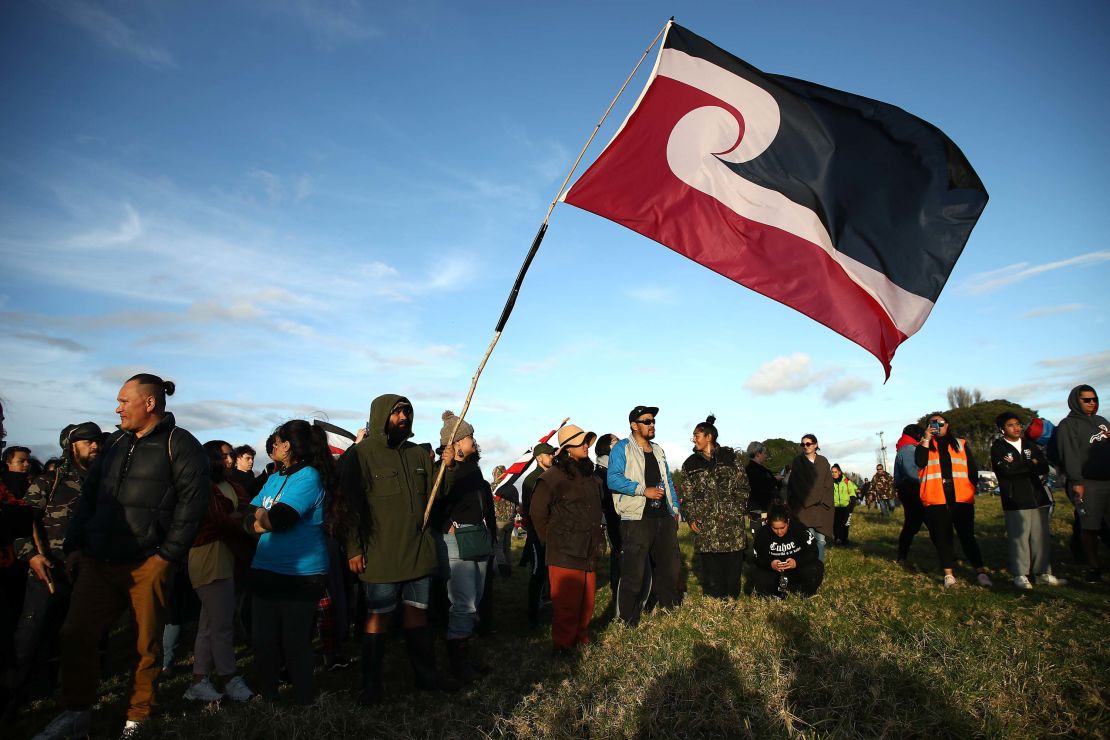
(290, 566)
(714, 503)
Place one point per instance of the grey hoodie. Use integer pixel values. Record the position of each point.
(1076, 433)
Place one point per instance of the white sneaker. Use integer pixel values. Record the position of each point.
(949, 581)
(1047, 579)
(68, 724)
(130, 729)
(237, 690)
(203, 690)
(1023, 583)
(985, 581)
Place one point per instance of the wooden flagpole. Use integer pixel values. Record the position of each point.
(511, 302)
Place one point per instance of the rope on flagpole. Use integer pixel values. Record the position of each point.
(511, 302)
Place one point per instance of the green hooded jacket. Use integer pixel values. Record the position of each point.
(387, 489)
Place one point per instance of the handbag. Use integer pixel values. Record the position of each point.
(473, 542)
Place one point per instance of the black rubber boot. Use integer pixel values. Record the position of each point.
(458, 655)
(422, 655)
(475, 661)
(373, 653)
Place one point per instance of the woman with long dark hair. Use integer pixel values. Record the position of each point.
(566, 510)
(716, 498)
(290, 565)
(811, 492)
(211, 571)
(948, 475)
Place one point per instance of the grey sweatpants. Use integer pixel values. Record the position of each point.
(215, 644)
(1029, 541)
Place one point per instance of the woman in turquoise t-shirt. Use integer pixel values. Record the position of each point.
(290, 565)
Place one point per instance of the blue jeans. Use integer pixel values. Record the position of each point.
(466, 579)
(381, 598)
(820, 540)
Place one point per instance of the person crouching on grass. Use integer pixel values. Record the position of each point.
(566, 511)
(786, 558)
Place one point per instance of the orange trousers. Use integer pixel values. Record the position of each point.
(102, 593)
(572, 604)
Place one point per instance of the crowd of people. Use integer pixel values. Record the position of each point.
(319, 541)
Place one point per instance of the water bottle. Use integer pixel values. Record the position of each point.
(784, 583)
(657, 503)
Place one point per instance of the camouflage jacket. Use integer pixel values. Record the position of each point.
(882, 485)
(55, 497)
(504, 510)
(716, 498)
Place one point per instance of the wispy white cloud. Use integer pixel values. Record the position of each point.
(65, 343)
(782, 374)
(654, 295)
(1052, 310)
(113, 32)
(279, 189)
(845, 389)
(848, 447)
(126, 231)
(988, 282)
(331, 22)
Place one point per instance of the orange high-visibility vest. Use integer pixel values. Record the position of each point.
(932, 483)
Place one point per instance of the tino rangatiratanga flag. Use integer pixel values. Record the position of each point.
(849, 210)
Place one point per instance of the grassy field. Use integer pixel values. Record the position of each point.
(881, 651)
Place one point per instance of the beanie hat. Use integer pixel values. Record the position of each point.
(449, 420)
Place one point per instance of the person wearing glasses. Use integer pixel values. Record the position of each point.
(644, 496)
(947, 477)
(810, 493)
(567, 515)
(1083, 445)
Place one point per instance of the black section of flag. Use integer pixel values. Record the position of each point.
(893, 192)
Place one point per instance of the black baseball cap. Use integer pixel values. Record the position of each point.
(88, 430)
(641, 410)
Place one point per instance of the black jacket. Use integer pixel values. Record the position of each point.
(797, 543)
(1019, 475)
(143, 495)
(765, 487)
(464, 498)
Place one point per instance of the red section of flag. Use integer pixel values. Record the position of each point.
(514, 471)
(632, 184)
(339, 439)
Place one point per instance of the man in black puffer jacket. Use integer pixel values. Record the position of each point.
(138, 514)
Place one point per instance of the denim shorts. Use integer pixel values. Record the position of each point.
(381, 598)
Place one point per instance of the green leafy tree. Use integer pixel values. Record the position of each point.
(975, 423)
(779, 453)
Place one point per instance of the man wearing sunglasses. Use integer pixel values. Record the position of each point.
(644, 497)
(1083, 445)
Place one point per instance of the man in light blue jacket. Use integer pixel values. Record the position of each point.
(644, 497)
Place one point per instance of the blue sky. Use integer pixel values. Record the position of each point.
(292, 206)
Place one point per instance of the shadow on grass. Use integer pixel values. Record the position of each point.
(706, 698)
(837, 692)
